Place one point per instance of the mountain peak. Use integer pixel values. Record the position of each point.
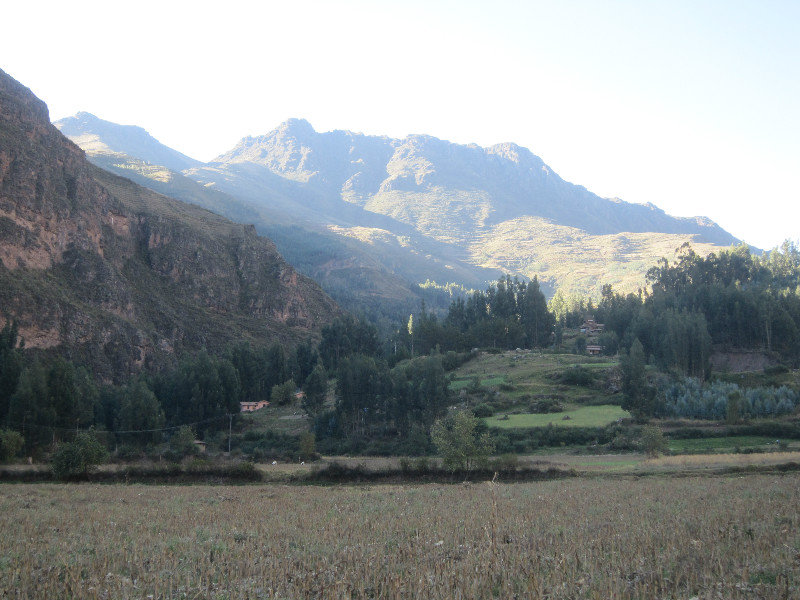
(297, 127)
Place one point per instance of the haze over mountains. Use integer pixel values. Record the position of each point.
(118, 277)
(411, 209)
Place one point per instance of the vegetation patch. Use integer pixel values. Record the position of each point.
(743, 443)
(584, 416)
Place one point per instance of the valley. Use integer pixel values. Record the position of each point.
(341, 365)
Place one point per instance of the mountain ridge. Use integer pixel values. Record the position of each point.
(457, 200)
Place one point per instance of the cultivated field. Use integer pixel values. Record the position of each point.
(584, 416)
(656, 537)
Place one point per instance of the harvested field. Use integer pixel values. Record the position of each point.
(657, 537)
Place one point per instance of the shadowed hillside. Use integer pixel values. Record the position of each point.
(119, 277)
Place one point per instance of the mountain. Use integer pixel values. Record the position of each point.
(371, 269)
(121, 278)
(427, 209)
(449, 191)
(98, 136)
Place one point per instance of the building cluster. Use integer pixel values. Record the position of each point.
(592, 329)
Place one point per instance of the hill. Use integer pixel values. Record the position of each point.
(116, 276)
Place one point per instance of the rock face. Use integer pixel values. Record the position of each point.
(120, 277)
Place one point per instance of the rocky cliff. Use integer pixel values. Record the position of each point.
(120, 277)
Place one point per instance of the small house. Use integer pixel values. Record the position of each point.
(252, 406)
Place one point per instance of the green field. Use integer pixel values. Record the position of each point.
(585, 416)
(460, 384)
(531, 376)
(726, 444)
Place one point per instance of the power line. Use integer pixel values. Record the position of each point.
(123, 432)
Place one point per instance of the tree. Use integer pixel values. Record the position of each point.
(282, 393)
(411, 332)
(308, 446)
(363, 388)
(78, 457)
(30, 410)
(346, 336)
(459, 442)
(10, 366)
(140, 414)
(634, 380)
(652, 441)
(315, 389)
(303, 362)
(182, 441)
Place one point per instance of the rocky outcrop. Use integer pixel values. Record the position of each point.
(120, 277)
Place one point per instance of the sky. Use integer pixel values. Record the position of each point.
(691, 105)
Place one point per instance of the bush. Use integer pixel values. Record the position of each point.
(459, 440)
(690, 398)
(11, 442)
(79, 457)
(483, 410)
(308, 446)
(282, 393)
(182, 442)
(577, 376)
(652, 441)
(452, 360)
(546, 406)
(505, 463)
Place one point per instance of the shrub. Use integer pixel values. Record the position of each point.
(182, 441)
(11, 442)
(577, 376)
(483, 410)
(689, 398)
(652, 441)
(458, 439)
(79, 457)
(282, 393)
(505, 463)
(308, 446)
(546, 406)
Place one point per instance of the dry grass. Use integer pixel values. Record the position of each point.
(711, 537)
(715, 461)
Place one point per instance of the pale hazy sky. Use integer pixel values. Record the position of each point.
(692, 105)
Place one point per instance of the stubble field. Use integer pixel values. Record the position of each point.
(656, 537)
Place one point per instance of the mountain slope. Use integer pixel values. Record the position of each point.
(428, 209)
(444, 189)
(119, 277)
(99, 136)
(369, 269)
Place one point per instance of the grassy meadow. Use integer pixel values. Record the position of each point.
(584, 416)
(657, 537)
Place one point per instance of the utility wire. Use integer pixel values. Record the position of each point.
(31, 426)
